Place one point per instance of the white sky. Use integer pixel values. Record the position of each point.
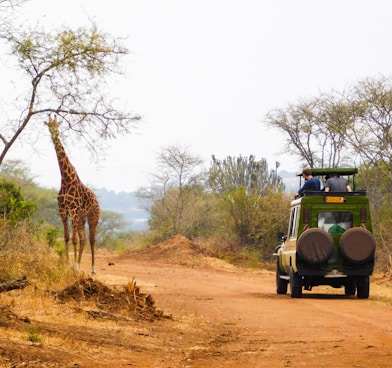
(204, 73)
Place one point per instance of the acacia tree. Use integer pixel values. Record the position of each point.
(337, 128)
(315, 130)
(174, 192)
(370, 131)
(64, 73)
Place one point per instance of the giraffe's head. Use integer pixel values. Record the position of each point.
(53, 125)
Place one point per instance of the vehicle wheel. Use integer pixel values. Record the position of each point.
(350, 288)
(363, 287)
(281, 284)
(295, 284)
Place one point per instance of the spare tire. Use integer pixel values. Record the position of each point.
(315, 246)
(357, 245)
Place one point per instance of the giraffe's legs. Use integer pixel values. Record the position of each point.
(64, 220)
(92, 227)
(75, 247)
(82, 242)
(76, 238)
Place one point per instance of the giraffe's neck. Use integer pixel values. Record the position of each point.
(67, 170)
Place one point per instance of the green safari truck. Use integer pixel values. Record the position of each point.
(329, 241)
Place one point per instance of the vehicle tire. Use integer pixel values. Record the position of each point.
(363, 287)
(281, 284)
(295, 284)
(315, 246)
(350, 288)
(357, 245)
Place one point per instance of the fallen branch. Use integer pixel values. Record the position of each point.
(12, 285)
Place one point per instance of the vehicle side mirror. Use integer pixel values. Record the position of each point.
(281, 236)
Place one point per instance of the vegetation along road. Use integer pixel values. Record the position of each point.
(208, 313)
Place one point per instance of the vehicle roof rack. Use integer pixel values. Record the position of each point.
(310, 193)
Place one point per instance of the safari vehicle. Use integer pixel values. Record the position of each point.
(329, 241)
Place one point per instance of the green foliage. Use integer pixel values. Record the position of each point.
(46, 208)
(244, 187)
(13, 207)
(377, 186)
(51, 236)
(237, 209)
(254, 221)
(110, 225)
(34, 334)
(242, 215)
(176, 196)
(196, 218)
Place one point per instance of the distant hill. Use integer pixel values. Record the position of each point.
(127, 204)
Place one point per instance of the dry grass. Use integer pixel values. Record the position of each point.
(85, 319)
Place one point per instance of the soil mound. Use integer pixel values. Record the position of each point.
(111, 303)
(177, 250)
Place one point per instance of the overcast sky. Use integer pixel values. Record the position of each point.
(204, 73)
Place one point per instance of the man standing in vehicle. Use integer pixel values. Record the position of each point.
(337, 184)
(311, 183)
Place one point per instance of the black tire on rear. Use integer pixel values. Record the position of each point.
(363, 287)
(281, 284)
(295, 284)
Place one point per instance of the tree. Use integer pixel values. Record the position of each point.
(110, 223)
(370, 131)
(13, 206)
(379, 193)
(173, 191)
(241, 185)
(65, 74)
(19, 174)
(315, 129)
(336, 128)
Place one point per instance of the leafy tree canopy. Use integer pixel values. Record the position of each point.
(65, 73)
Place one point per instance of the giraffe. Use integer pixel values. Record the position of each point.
(76, 201)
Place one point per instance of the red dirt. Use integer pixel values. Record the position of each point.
(221, 315)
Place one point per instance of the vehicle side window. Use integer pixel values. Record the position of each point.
(335, 222)
(293, 222)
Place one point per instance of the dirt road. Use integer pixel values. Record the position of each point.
(238, 320)
(222, 316)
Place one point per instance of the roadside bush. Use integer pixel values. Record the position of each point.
(22, 253)
(13, 207)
